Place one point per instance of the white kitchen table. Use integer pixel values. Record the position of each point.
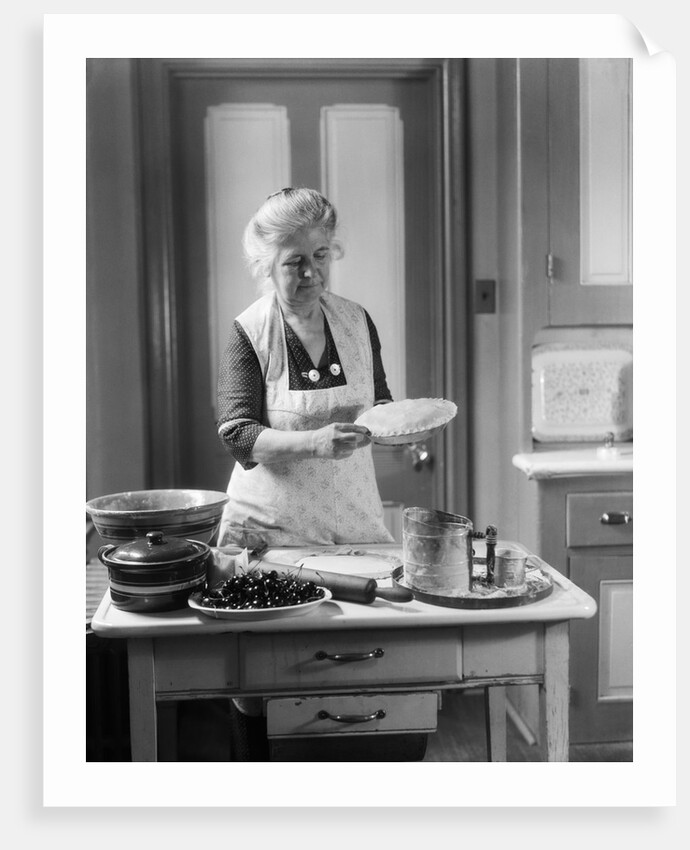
(348, 668)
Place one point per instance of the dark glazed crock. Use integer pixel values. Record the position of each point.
(153, 573)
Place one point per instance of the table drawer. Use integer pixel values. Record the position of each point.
(599, 519)
(207, 663)
(514, 649)
(341, 659)
(351, 714)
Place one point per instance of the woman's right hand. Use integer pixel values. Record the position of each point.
(339, 440)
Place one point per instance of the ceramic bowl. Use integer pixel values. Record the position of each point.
(191, 514)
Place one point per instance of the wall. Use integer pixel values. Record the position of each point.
(507, 202)
(485, 370)
(115, 428)
(508, 233)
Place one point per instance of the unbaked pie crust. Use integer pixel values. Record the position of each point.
(407, 421)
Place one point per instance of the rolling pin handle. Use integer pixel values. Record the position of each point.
(394, 594)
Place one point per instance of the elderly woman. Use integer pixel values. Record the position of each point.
(300, 366)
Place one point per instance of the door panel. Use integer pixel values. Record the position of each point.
(602, 704)
(592, 268)
(372, 271)
(247, 154)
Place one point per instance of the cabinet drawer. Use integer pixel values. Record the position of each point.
(350, 714)
(341, 659)
(594, 519)
(206, 663)
(516, 649)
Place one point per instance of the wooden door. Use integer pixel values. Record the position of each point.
(183, 93)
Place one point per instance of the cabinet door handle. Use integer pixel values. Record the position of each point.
(615, 518)
(348, 656)
(352, 718)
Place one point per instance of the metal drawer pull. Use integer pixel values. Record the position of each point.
(352, 718)
(349, 656)
(615, 518)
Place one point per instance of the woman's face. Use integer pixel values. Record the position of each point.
(301, 268)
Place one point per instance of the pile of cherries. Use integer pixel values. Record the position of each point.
(255, 589)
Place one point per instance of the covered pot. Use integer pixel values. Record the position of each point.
(154, 573)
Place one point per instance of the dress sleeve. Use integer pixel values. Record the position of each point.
(240, 397)
(381, 391)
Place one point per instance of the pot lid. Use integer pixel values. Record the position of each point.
(156, 549)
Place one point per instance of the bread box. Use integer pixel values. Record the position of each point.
(582, 393)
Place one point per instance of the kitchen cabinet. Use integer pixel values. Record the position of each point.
(601, 704)
(599, 550)
(585, 530)
(589, 258)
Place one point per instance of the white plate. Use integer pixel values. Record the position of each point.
(194, 602)
(366, 565)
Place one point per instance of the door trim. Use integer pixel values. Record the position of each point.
(154, 80)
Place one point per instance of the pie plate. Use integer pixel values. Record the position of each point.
(408, 421)
(361, 564)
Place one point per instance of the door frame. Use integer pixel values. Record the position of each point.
(154, 80)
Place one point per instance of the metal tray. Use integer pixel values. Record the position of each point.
(477, 602)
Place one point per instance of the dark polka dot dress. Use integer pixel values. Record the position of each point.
(241, 415)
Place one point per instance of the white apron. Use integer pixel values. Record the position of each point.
(313, 500)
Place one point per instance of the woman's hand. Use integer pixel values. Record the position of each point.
(335, 442)
(339, 440)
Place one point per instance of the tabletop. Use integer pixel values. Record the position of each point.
(566, 602)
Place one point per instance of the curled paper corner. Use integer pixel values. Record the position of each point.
(641, 43)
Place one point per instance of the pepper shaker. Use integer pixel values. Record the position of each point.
(491, 539)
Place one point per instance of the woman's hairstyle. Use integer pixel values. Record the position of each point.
(278, 218)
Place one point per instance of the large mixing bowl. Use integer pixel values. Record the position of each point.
(192, 514)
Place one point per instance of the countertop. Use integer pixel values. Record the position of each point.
(567, 462)
(566, 602)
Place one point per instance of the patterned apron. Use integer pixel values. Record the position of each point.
(312, 500)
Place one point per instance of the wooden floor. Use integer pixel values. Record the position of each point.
(460, 736)
(204, 735)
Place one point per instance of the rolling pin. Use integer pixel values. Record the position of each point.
(344, 587)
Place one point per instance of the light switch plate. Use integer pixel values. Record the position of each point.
(485, 296)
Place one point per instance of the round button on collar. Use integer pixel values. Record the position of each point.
(314, 375)
(334, 369)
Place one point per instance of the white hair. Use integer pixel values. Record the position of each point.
(280, 216)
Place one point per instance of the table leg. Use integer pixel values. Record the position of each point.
(555, 692)
(142, 700)
(496, 725)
